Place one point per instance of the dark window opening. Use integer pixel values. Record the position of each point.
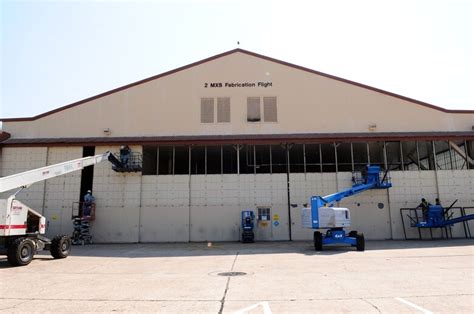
(214, 162)
(262, 158)
(376, 154)
(444, 158)
(470, 149)
(165, 160)
(297, 158)
(425, 151)
(410, 156)
(393, 151)
(229, 159)
(198, 160)
(181, 160)
(359, 151)
(279, 158)
(87, 174)
(329, 157)
(149, 160)
(344, 157)
(313, 158)
(246, 157)
(470, 152)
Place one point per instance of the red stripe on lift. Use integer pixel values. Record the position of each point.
(12, 227)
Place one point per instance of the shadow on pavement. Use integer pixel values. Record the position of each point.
(146, 250)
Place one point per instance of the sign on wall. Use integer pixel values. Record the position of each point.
(237, 84)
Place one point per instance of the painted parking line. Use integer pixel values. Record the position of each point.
(264, 305)
(419, 308)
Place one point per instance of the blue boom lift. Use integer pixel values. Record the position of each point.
(437, 217)
(322, 214)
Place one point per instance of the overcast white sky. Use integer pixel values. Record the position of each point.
(54, 53)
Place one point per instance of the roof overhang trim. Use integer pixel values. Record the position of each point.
(241, 139)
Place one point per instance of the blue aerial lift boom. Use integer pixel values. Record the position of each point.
(322, 214)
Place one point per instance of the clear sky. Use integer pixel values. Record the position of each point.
(54, 53)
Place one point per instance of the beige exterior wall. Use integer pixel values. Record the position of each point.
(117, 202)
(18, 159)
(61, 192)
(307, 103)
(181, 208)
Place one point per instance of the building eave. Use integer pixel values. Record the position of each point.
(242, 139)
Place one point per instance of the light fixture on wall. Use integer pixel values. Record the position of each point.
(107, 131)
(372, 126)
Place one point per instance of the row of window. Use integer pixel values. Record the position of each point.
(218, 109)
(303, 158)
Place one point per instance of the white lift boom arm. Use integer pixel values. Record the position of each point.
(25, 179)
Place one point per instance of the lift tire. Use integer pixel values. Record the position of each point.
(318, 241)
(353, 234)
(360, 242)
(60, 246)
(21, 252)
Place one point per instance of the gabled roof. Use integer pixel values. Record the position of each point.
(226, 54)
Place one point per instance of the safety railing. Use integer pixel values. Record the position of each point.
(132, 163)
(416, 217)
(83, 210)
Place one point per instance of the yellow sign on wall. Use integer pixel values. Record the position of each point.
(276, 217)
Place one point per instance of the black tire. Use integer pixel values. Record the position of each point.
(21, 252)
(318, 241)
(60, 246)
(360, 242)
(352, 234)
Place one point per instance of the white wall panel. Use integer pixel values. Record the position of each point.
(217, 200)
(115, 225)
(215, 223)
(164, 224)
(61, 192)
(19, 159)
(407, 190)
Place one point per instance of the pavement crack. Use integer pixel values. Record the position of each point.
(13, 306)
(373, 305)
(227, 285)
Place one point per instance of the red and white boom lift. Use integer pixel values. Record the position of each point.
(22, 228)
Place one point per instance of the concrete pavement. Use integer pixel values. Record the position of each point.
(390, 276)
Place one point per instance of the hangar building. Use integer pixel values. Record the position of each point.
(240, 131)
